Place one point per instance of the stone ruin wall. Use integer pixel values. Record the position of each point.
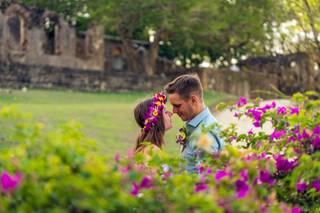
(31, 36)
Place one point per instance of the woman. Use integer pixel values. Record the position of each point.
(154, 120)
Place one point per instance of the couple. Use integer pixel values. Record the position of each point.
(186, 97)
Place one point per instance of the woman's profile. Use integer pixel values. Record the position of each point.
(153, 119)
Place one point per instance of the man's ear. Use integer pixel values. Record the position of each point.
(194, 99)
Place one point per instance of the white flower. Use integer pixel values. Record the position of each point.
(165, 167)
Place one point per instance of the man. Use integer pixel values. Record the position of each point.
(186, 96)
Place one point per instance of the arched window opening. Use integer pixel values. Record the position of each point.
(51, 28)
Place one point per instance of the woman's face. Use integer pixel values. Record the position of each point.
(167, 119)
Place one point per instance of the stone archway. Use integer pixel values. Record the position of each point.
(51, 26)
(15, 29)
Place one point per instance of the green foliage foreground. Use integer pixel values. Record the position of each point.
(62, 171)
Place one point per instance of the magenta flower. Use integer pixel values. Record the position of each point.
(242, 101)
(209, 171)
(257, 115)
(316, 184)
(166, 175)
(244, 174)
(237, 115)
(201, 168)
(268, 106)
(124, 170)
(257, 124)
(117, 157)
(316, 143)
(242, 188)
(281, 110)
(316, 130)
(250, 132)
(200, 187)
(10, 182)
(301, 186)
(296, 210)
(277, 134)
(220, 174)
(294, 110)
(284, 165)
(265, 177)
(135, 189)
(146, 182)
(292, 139)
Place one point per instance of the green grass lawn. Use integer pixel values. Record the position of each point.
(106, 117)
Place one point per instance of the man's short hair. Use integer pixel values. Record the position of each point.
(185, 86)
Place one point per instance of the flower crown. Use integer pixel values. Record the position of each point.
(154, 110)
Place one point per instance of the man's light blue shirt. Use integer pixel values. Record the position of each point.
(195, 128)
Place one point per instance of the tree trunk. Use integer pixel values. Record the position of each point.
(133, 58)
(134, 61)
(150, 59)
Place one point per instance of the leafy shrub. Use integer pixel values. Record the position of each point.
(62, 170)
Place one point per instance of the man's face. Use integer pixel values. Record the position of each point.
(182, 107)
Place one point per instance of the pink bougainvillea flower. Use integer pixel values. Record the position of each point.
(146, 182)
(220, 174)
(296, 210)
(294, 110)
(277, 134)
(242, 188)
(265, 177)
(316, 184)
(201, 168)
(316, 143)
(135, 189)
(305, 134)
(257, 124)
(284, 165)
(124, 170)
(292, 139)
(250, 132)
(209, 171)
(316, 130)
(202, 186)
(10, 182)
(166, 175)
(301, 186)
(281, 110)
(242, 101)
(268, 106)
(117, 157)
(244, 174)
(237, 115)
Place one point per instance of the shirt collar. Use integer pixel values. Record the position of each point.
(198, 118)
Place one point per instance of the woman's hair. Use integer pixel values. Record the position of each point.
(153, 135)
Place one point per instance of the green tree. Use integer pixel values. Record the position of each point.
(186, 28)
(307, 15)
(137, 19)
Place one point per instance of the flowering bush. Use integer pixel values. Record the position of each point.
(62, 170)
(293, 146)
